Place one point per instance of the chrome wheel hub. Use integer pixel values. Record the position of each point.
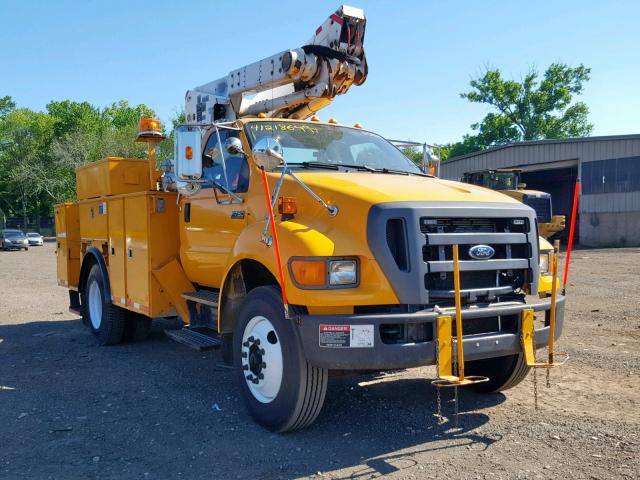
(262, 364)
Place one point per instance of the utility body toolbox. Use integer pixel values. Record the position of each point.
(137, 234)
(112, 176)
(68, 244)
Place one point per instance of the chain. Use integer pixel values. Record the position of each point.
(455, 389)
(535, 373)
(438, 399)
(548, 378)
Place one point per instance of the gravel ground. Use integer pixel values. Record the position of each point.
(71, 409)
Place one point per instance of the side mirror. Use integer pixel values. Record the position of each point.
(233, 146)
(521, 186)
(188, 152)
(267, 153)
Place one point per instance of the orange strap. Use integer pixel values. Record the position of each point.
(275, 237)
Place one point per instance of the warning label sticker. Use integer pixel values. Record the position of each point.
(346, 336)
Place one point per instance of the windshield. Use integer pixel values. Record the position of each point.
(33, 234)
(500, 180)
(13, 232)
(305, 143)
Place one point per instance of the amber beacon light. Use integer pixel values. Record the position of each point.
(150, 131)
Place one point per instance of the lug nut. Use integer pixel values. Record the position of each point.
(245, 344)
(245, 367)
(260, 376)
(251, 339)
(262, 351)
(263, 365)
(244, 354)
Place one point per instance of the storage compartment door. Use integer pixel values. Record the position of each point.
(62, 255)
(117, 252)
(136, 218)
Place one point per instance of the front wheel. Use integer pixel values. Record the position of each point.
(281, 390)
(503, 372)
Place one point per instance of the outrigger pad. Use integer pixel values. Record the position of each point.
(527, 337)
(453, 381)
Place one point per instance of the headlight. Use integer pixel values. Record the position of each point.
(343, 272)
(545, 262)
(323, 272)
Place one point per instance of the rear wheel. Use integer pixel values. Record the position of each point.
(281, 390)
(503, 372)
(105, 320)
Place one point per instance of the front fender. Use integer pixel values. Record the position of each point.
(298, 240)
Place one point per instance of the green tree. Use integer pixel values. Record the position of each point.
(532, 109)
(39, 151)
(414, 154)
(6, 105)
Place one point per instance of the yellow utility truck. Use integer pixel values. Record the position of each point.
(299, 246)
(507, 181)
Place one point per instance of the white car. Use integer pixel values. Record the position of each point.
(35, 239)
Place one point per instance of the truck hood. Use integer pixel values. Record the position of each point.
(375, 188)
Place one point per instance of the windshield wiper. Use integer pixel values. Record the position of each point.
(328, 166)
(365, 168)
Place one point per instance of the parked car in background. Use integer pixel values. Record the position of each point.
(35, 239)
(14, 239)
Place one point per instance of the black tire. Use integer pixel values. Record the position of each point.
(503, 372)
(302, 390)
(26, 248)
(136, 327)
(227, 348)
(109, 327)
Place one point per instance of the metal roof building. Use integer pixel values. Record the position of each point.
(609, 169)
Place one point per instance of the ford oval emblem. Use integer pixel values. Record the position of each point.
(481, 252)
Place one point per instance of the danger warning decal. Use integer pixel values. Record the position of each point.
(346, 336)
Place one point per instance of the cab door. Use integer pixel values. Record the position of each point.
(211, 220)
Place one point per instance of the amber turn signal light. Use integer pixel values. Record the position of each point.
(188, 153)
(309, 273)
(287, 206)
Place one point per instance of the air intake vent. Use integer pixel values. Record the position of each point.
(397, 242)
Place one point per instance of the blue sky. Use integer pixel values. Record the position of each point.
(421, 54)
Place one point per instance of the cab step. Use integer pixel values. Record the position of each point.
(202, 306)
(205, 297)
(193, 339)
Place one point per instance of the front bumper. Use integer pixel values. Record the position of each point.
(19, 244)
(384, 356)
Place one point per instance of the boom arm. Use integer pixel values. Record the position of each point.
(291, 84)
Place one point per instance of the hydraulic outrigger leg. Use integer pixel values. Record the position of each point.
(528, 330)
(446, 377)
